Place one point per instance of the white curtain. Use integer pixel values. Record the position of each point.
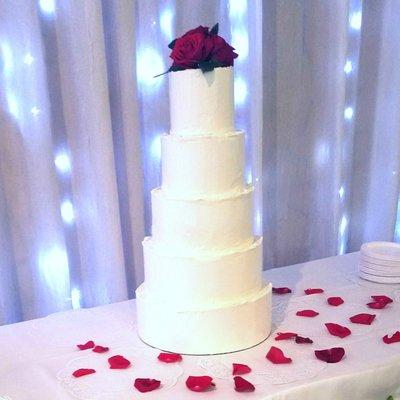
(317, 92)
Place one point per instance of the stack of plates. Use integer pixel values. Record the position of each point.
(380, 262)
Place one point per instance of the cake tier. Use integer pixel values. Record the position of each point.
(202, 224)
(212, 277)
(199, 166)
(212, 329)
(201, 103)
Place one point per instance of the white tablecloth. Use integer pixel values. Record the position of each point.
(37, 357)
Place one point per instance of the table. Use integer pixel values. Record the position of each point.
(37, 357)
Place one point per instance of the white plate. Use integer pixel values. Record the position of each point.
(377, 261)
(378, 272)
(379, 279)
(388, 251)
(376, 267)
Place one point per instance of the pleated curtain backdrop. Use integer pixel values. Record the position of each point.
(317, 92)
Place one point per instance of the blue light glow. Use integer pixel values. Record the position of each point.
(348, 113)
(67, 212)
(348, 67)
(237, 8)
(343, 225)
(47, 6)
(322, 153)
(155, 148)
(249, 177)
(397, 227)
(240, 41)
(166, 20)
(75, 298)
(53, 267)
(6, 59)
(240, 91)
(258, 221)
(355, 20)
(341, 192)
(63, 162)
(149, 64)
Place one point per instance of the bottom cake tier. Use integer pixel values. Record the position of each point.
(212, 329)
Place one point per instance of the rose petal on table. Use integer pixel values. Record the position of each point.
(363, 318)
(169, 357)
(281, 290)
(307, 313)
(276, 356)
(146, 384)
(242, 385)
(240, 369)
(382, 298)
(100, 349)
(301, 340)
(337, 330)
(118, 362)
(86, 346)
(377, 305)
(333, 355)
(335, 301)
(313, 291)
(285, 335)
(392, 339)
(82, 372)
(199, 383)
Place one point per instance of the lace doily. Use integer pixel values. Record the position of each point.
(107, 384)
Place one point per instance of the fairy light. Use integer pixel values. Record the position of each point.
(76, 298)
(348, 113)
(166, 20)
(62, 162)
(35, 111)
(47, 6)
(28, 59)
(356, 20)
(348, 67)
(149, 64)
(155, 147)
(67, 212)
(240, 86)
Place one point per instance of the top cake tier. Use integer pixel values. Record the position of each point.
(201, 103)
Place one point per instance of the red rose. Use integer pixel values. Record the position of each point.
(222, 51)
(193, 47)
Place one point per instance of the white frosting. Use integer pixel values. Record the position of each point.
(202, 166)
(217, 277)
(214, 329)
(201, 103)
(203, 224)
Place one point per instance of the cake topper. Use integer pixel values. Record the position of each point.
(200, 48)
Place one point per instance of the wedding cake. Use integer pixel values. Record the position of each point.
(203, 291)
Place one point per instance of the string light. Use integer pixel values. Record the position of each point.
(47, 6)
(166, 20)
(12, 103)
(155, 147)
(62, 162)
(75, 298)
(348, 67)
(149, 64)
(67, 212)
(28, 59)
(341, 192)
(237, 8)
(35, 111)
(348, 113)
(240, 41)
(6, 58)
(356, 20)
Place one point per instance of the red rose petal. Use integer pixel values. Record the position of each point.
(392, 339)
(169, 357)
(335, 301)
(377, 305)
(199, 383)
(313, 291)
(118, 362)
(100, 349)
(276, 356)
(241, 385)
(285, 335)
(301, 340)
(364, 318)
(281, 290)
(382, 299)
(82, 372)
(87, 345)
(333, 355)
(338, 330)
(307, 313)
(240, 369)
(146, 385)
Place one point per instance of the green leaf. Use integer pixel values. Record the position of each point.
(209, 65)
(172, 44)
(390, 398)
(214, 29)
